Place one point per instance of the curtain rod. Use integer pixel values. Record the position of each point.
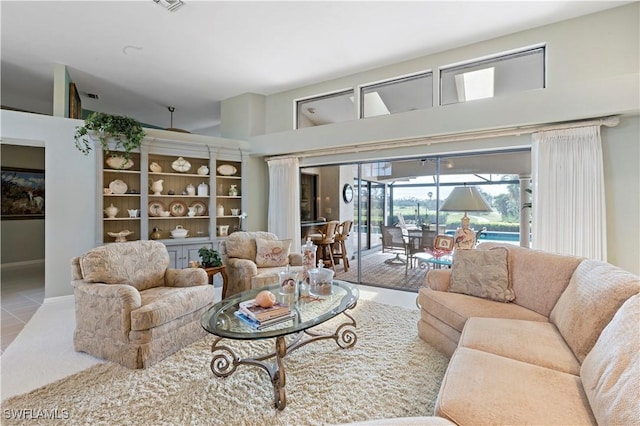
(610, 121)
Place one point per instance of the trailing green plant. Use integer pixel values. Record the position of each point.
(126, 132)
(210, 257)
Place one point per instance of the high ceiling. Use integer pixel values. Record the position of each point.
(140, 58)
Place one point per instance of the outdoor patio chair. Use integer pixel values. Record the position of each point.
(479, 233)
(402, 223)
(394, 241)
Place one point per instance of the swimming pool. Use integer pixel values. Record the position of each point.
(494, 236)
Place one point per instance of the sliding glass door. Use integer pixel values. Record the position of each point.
(371, 212)
(407, 194)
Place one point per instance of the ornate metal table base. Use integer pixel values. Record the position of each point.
(225, 361)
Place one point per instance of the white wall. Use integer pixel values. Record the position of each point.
(621, 156)
(70, 200)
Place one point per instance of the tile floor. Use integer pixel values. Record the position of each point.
(21, 294)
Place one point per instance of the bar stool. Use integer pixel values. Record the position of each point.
(324, 238)
(339, 246)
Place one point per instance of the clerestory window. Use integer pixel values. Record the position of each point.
(498, 76)
(399, 95)
(326, 109)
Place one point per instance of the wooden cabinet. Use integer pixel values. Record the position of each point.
(181, 255)
(160, 196)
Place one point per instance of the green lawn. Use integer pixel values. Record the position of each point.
(409, 213)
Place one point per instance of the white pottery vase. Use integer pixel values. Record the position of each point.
(111, 211)
(191, 190)
(203, 190)
(203, 170)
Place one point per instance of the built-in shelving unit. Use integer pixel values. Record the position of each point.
(122, 191)
(228, 201)
(201, 188)
(179, 193)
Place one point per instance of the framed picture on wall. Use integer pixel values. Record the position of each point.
(22, 193)
(75, 105)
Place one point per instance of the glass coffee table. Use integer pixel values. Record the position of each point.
(310, 311)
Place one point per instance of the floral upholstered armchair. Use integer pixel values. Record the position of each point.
(131, 308)
(253, 260)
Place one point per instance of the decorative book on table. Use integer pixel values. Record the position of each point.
(258, 325)
(254, 311)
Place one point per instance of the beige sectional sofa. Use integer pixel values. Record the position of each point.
(565, 350)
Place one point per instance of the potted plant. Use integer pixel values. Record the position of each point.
(210, 257)
(126, 132)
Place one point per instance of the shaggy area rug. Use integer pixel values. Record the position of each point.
(379, 270)
(389, 373)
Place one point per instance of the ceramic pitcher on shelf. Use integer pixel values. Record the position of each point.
(156, 186)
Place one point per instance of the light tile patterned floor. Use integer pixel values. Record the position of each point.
(21, 294)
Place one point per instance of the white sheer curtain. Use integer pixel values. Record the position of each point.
(284, 200)
(568, 193)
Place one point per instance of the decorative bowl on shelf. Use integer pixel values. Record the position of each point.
(119, 162)
(181, 165)
(179, 232)
(121, 236)
(227, 170)
(118, 187)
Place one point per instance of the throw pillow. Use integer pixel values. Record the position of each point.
(271, 253)
(242, 245)
(598, 288)
(481, 273)
(609, 372)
